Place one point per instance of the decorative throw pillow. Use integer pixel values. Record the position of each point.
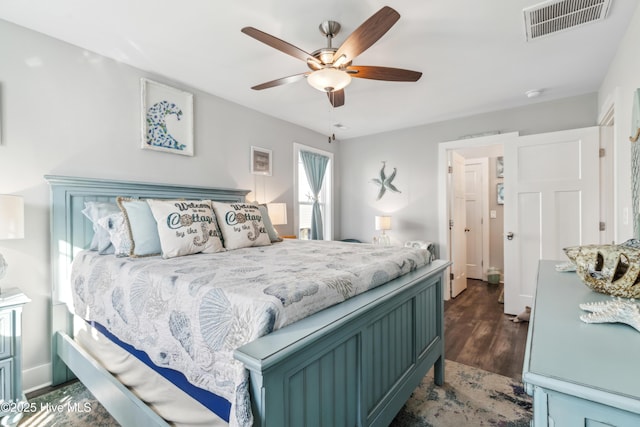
(271, 230)
(101, 241)
(118, 232)
(241, 225)
(142, 227)
(186, 227)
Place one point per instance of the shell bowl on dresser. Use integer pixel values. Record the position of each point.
(609, 269)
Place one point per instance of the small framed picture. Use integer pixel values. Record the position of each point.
(261, 161)
(167, 118)
(500, 167)
(500, 193)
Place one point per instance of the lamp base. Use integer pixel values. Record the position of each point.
(382, 240)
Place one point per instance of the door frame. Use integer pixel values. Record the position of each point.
(443, 190)
(608, 205)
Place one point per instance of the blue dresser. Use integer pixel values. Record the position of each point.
(579, 374)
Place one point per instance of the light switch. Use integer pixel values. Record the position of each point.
(493, 214)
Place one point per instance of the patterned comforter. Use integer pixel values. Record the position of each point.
(190, 313)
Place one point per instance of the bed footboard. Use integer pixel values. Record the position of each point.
(355, 364)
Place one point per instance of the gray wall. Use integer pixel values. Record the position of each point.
(616, 91)
(66, 111)
(414, 152)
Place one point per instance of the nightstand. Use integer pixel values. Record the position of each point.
(11, 396)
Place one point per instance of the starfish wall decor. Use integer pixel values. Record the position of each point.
(385, 182)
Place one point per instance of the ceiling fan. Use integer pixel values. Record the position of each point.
(331, 68)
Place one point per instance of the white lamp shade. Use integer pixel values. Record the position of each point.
(383, 223)
(329, 79)
(11, 217)
(277, 213)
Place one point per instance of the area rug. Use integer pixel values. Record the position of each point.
(469, 397)
(70, 405)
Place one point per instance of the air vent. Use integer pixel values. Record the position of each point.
(554, 16)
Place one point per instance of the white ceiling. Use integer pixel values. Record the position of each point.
(473, 53)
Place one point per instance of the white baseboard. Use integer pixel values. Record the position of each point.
(36, 378)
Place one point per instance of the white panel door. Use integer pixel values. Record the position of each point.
(473, 187)
(457, 225)
(551, 184)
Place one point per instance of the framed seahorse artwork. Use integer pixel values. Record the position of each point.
(167, 118)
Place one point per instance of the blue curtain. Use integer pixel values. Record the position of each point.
(315, 165)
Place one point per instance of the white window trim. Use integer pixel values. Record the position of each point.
(328, 231)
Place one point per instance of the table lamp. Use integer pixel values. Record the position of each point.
(11, 222)
(277, 213)
(383, 223)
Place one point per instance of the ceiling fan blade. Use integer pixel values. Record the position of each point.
(367, 34)
(276, 43)
(336, 98)
(383, 73)
(280, 81)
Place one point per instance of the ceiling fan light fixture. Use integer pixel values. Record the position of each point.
(329, 79)
(331, 69)
(325, 55)
(340, 61)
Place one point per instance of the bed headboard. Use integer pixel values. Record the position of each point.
(71, 231)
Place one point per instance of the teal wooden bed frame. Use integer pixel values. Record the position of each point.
(353, 364)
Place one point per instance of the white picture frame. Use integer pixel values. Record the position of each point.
(261, 161)
(167, 118)
(500, 193)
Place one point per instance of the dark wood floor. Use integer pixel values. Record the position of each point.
(478, 333)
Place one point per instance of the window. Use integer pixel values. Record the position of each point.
(304, 195)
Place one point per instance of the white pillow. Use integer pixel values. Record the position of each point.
(94, 211)
(118, 232)
(271, 230)
(186, 227)
(241, 225)
(141, 225)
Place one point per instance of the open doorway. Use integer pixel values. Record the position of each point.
(484, 210)
(483, 242)
(550, 203)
